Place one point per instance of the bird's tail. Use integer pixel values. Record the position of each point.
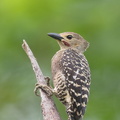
(74, 118)
(73, 114)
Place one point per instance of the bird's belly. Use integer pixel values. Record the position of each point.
(61, 89)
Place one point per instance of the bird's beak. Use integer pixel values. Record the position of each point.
(55, 36)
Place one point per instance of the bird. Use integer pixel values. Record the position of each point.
(70, 74)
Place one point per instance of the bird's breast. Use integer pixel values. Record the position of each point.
(56, 64)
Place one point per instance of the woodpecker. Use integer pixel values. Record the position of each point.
(70, 74)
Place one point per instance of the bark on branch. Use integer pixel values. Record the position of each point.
(49, 110)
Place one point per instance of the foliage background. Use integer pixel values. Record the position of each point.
(98, 21)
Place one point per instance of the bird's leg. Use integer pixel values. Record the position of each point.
(47, 80)
(46, 88)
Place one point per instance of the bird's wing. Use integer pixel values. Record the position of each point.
(77, 76)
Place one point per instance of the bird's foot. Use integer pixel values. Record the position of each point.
(45, 88)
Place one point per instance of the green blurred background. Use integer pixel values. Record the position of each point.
(98, 21)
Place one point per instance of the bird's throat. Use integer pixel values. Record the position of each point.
(66, 44)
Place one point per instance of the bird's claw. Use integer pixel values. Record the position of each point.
(44, 88)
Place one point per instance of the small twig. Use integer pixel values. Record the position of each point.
(49, 110)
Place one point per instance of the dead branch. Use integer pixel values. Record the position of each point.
(49, 110)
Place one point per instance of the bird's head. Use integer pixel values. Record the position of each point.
(70, 40)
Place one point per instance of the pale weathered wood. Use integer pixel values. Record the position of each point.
(49, 110)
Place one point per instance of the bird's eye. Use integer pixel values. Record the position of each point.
(69, 37)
